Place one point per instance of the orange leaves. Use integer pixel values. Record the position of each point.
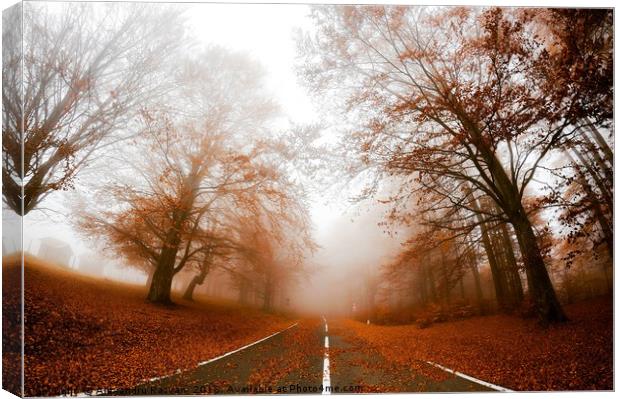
(85, 333)
(411, 54)
(509, 351)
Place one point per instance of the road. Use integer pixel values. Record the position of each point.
(313, 356)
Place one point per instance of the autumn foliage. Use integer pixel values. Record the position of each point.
(574, 356)
(83, 333)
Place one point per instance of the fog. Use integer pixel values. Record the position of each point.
(221, 94)
(350, 244)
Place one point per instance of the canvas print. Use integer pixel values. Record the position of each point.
(217, 198)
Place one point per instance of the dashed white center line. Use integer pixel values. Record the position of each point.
(326, 379)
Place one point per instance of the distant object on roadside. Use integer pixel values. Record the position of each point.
(57, 251)
(91, 263)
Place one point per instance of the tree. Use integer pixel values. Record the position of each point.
(578, 59)
(87, 71)
(276, 244)
(448, 99)
(190, 169)
(164, 215)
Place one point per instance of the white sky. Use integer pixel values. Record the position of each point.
(267, 33)
(264, 31)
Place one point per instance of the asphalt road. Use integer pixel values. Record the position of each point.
(311, 357)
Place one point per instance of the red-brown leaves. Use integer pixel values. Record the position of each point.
(82, 333)
(506, 350)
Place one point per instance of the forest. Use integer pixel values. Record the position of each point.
(468, 152)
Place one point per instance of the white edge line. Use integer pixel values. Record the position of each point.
(470, 378)
(179, 371)
(326, 377)
(245, 347)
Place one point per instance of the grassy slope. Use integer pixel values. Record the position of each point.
(83, 332)
(507, 350)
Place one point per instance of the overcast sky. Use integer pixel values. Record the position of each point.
(267, 33)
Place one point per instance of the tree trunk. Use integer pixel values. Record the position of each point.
(606, 227)
(499, 281)
(609, 155)
(511, 272)
(196, 281)
(479, 295)
(593, 151)
(607, 196)
(431, 280)
(543, 294)
(159, 291)
(446, 282)
(149, 279)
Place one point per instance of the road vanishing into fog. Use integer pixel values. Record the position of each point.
(306, 358)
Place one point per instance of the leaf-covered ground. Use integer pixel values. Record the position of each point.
(82, 333)
(293, 358)
(509, 351)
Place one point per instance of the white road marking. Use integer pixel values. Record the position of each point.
(179, 371)
(326, 379)
(326, 382)
(470, 378)
(245, 347)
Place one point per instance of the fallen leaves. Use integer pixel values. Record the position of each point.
(82, 333)
(510, 351)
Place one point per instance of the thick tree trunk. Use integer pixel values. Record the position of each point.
(159, 292)
(543, 294)
(509, 196)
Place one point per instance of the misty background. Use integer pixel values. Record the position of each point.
(351, 244)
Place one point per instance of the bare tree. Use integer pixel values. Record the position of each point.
(87, 71)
